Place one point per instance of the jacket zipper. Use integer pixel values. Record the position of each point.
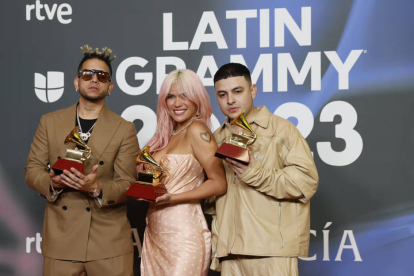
(234, 211)
(280, 223)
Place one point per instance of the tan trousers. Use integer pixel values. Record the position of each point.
(117, 266)
(239, 265)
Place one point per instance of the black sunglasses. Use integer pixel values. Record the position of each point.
(87, 74)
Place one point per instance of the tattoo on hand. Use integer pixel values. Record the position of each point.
(206, 136)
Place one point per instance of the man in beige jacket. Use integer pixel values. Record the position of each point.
(262, 224)
(86, 230)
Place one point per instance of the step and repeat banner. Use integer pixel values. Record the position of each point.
(342, 71)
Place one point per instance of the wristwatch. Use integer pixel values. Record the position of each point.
(95, 193)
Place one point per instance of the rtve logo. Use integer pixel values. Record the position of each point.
(49, 89)
(63, 10)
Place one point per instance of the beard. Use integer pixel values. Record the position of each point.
(94, 98)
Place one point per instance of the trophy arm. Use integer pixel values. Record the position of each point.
(254, 137)
(162, 172)
(86, 153)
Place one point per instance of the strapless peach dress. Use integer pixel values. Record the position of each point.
(177, 239)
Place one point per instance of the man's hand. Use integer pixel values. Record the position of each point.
(56, 180)
(78, 181)
(238, 167)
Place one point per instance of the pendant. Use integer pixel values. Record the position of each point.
(84, 136)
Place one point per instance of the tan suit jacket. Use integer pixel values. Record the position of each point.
(76, 226)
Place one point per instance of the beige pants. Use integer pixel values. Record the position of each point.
(117, 266)
(239, 265)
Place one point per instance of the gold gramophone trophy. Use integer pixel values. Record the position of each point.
(74, 158)
(237, 147)
(148, 186)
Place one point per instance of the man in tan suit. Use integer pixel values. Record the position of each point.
(86, 230)
(261, 225)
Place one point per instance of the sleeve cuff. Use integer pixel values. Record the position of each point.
(54, 193)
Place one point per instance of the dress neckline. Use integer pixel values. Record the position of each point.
(178, 154)
(174, 154)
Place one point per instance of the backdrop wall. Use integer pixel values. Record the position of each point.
(342, 71)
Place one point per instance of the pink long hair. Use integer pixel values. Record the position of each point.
(186, 82)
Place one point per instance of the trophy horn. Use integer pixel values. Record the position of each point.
(145, 157)
(74, 137)
(241, 121)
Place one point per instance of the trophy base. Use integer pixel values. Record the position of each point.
(64, 164)
(146, 191)
(239, 154)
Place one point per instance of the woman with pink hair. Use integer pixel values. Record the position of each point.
(177, 239)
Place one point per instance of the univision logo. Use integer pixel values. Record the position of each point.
(49, 89)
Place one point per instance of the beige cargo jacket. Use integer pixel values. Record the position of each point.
(266, 211)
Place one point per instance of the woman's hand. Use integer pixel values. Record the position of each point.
(164, 199)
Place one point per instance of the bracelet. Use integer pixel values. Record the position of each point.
(53, 189)
(95, 193)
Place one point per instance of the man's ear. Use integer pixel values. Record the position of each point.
(111, 86)
(76, 83)
(253, 90)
